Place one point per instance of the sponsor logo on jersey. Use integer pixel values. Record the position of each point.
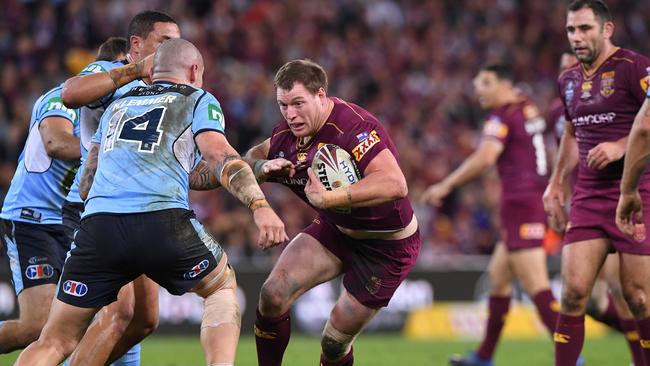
(293, 181)
(36, 259)
(364, 146)
(301, 156)
(39, 271)
(75, 288)
(196, 270)
(31, 215)
(532, 231)
(93, 69)
(594, 119)
(362, 136)
(586, 89)
(568, 92)
(495, 128)
(215, 114)
(57, 104)
(607, 83)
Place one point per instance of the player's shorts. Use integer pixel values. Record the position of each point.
(71, 213)
(110, 250)
(372, 269)
(523, 223)
(594, 217)
(36, 252)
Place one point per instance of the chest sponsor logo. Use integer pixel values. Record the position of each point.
(364, 146)
(594, 119)
(293, 181)
(586, 89)
(196, 270)
(75, 288)
(607, 83)
(568, 93)
(39, 271)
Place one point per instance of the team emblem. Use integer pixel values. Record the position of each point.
(39, 271)
(75, 288)
(586, 90)
(607, 83)
(196, 270)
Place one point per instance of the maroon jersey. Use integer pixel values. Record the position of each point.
(363, 137)
(523, 165)
(602, 108)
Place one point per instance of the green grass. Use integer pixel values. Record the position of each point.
(379, 350)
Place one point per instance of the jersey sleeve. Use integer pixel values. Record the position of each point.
(364, 141)
(639, 80)
(495, 128)
(53, 107)
(208, 115)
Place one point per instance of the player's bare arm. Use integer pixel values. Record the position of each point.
(238, 178)
(629, 212)
(88, 175)
(58, 139)
(383, 181)
(263, 168)
(557, 192)
(202, 178)
(475, 165)
(81, 90)
(605, 153)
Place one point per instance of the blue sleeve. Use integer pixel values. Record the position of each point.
(98, 66)
(208, 115)
(52, 106)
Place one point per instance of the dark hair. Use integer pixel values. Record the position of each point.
(142, 24)
(306, 72)
(599, 8)
(110, 49)
(502, 71)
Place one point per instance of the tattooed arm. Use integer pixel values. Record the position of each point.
(202, 178)
(88, 175)
(81, 90)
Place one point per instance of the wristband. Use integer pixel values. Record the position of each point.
(337, 198)
(258, 203)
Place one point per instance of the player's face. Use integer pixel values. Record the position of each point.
(487, 87)
(587, 34)
(161, 32)
(303, 111)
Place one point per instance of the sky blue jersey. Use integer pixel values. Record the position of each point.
(89, 116)
(147, 148)
(41, 183)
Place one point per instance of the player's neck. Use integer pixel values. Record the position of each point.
(608, 50)
(507, 97)
(130, 58)
(326, 115)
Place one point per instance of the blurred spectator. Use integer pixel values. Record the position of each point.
(409, 62)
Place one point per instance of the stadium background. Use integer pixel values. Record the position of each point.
(408, 62)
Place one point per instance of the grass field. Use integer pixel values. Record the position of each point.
(379, 350)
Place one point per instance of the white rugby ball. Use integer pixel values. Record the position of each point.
(334, 167)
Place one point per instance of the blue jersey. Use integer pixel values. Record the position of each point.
(147, 148)
(90, 115)
(41, 183)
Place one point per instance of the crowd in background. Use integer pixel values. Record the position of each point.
(409, 62)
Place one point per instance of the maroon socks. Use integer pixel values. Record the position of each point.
(498, 307)
(272, 337)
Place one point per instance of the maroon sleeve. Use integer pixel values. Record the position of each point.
(638, 78)
(497, 128)
(364, 141)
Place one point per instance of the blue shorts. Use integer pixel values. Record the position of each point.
(110, 250)
(36, 252)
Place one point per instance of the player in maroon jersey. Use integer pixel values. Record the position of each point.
(372, 237)
(513, 141)
(601, 95)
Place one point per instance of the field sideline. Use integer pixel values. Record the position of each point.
(379, 350)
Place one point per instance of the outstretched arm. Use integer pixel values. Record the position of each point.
(202, 178)
(88, 175)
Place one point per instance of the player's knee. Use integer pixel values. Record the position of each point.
(335, 344)
(221, 305)
(635, 297)
(273, 297)
(574, 297)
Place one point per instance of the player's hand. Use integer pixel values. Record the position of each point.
(279, 167)
(435, 194)
(629, 216)
(604, 154)
(271, 228)
(555, 199)
(314, 190)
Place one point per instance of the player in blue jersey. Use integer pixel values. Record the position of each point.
(32, 234)
(135, 314)
(136, 220)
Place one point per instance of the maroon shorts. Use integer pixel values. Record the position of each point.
(523, 223)
(594, 217)
(372, 269)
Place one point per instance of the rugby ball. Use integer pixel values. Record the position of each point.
(334, 167)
